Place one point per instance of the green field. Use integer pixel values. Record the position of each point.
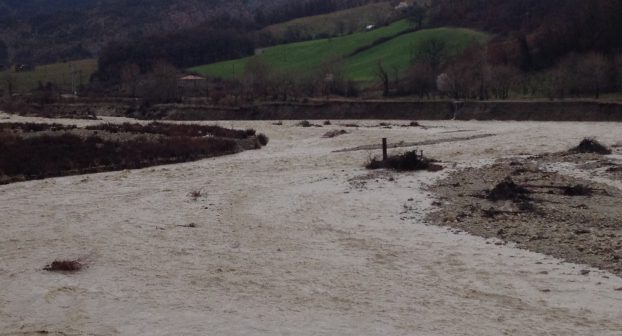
(395, 53)
(333, 24)
(303, 56)
(59, 74)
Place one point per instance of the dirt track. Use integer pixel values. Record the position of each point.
(293, 239)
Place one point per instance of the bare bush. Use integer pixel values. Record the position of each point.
(64, 266)
(590, 145)
(409, 161)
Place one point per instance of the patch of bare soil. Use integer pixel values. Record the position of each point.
(547, 212)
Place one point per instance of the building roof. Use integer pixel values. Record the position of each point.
(192, 77)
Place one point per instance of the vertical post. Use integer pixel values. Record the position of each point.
(384, 149)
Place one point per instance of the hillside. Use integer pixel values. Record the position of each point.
(398, 52)
(332, 24)
(58, 73)
(395, 53)
(45, 31)
(301, 56)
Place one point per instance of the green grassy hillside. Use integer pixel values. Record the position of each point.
(302, 56)
(59, 74)
(397, 53)
(333, 24)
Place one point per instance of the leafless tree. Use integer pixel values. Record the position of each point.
(383, 78)
(130, 78)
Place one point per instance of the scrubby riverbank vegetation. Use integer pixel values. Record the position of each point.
(36, 151)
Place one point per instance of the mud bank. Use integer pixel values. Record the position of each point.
(415, 110)
(543, 110)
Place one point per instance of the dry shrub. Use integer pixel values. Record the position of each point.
(49, 156)
(334, 133)
(63, 266)
(175, 130)
(34, 127)
(195, 194)
(508, 191)
(578, 190)
(263, 139)
(590, 145)
(327, 123)
(409, 161)
(304, 123)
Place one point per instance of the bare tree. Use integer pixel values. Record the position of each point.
(257, 77)
(503, 79)
(578, 75)
(130, 78)
(9, 81)
(597, 71)
(383, 78)
(433, 52)
(421, 79)
(161, 84)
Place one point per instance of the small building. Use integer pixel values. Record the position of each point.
(403, 5)
(192, 85)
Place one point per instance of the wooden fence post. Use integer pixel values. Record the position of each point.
(384, 149)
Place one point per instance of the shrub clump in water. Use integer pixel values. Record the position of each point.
(263, 139)
(590, 145)
(508, 191)
(409, 161)
(64, 266)
(578, 190)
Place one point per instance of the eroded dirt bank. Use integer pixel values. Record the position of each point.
(295, 239)
(541, 110)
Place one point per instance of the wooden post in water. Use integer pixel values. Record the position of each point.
(384, 149)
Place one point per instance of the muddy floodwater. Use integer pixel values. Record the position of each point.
(296, 239)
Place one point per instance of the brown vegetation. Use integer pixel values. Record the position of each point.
(589, 145)
(64, 266)
(51, 150)
(175, 130)
(409, 161)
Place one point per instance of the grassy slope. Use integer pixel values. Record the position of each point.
(59, 74)
(351, 20)
(301, 56)
(397, 53)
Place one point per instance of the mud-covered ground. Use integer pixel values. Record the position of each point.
(572, 218)
(294, 239)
